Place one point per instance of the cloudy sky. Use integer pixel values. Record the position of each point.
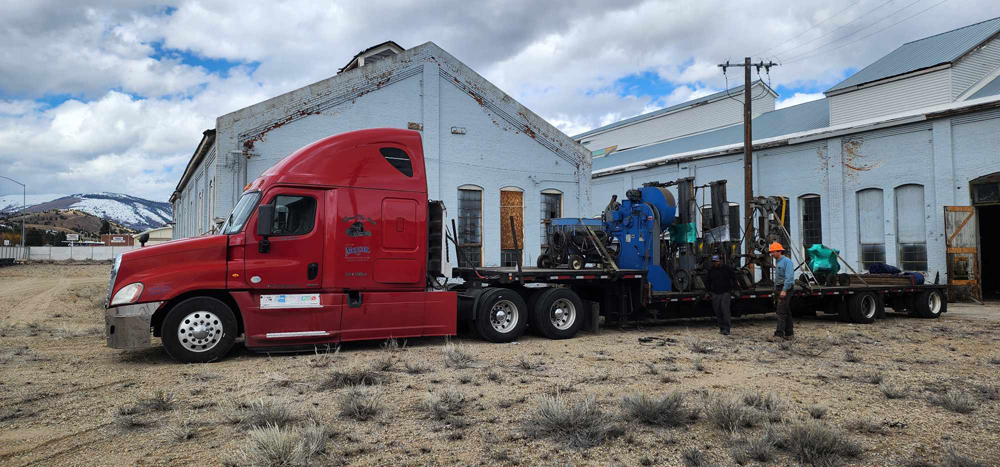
(114, 95)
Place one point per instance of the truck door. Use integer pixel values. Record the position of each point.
(295, 259)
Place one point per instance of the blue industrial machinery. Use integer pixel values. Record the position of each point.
(635, 226)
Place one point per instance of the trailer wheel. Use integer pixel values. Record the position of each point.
(544, 261)
(501, 316)
(558, 313)
(863, 307)
(576, 262)
(199, 330)
(930, 304)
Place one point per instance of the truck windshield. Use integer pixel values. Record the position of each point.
(240, 213)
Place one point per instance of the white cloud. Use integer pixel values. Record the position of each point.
(135, 120)
(798, 98)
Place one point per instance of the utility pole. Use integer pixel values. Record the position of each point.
(748, 142)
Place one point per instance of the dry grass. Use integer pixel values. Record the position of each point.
(360, 403)
(731, 414)
(851, 357)
(867, 426)
(953, 459)
(873, 377)
(258, 413)
(954, 400)
(159, 401)
(182, 431)
(817, 411)
(355, 376)
(893, 391)
(755, 447)
(669, 410)
(693, 457)
(579, 425)
(415, 368)
(813, 443)
(444, 405)
(281, 446)
(767, 404)
(701, 347)
(455, 357)
(130, 417)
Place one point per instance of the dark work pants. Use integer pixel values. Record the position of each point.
(784, 327)
(720, 303)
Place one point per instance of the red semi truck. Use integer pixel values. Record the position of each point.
(339, 242)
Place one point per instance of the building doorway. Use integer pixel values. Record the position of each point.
(986, 200)
(989, 249)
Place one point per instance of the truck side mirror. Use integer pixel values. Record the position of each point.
(143, 239)
(265, 223)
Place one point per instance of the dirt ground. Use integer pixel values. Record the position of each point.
(61, 388)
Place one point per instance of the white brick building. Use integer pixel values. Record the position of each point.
(478, 143)
(870, 168)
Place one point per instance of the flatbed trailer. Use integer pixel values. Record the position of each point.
(624, 295)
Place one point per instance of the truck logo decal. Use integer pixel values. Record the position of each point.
(359, 218)
(357, 229)
(355, 274)
(356, 250)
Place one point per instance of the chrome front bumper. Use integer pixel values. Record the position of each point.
(128, 326)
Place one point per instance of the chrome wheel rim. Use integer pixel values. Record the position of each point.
(562, 314)
(503, 316)
(868, 306)
(200, 331)
(934, 303)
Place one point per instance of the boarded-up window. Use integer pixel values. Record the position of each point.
(911, 234)
(871, 226)
(470, 226)
(511, 206)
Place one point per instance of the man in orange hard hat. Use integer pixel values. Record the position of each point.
(784, 279)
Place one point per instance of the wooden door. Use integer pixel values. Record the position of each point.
(963, 257)
(511, 206)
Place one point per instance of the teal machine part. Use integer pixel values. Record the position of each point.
(822, 260)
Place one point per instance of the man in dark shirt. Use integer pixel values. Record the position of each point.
(721, 282)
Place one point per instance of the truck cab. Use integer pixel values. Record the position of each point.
(331, 244)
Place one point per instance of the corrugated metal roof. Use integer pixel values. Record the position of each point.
(794, 119)
(991, 89)
(628, 121)
(924, 53)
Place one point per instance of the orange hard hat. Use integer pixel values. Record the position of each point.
(776, 247)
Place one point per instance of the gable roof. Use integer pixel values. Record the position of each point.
(388, 48)
(794, 119)
(666, 110)
(991, 89)
(944, 48)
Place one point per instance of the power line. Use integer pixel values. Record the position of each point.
(848, 24)
(810, 29)
(793, 59)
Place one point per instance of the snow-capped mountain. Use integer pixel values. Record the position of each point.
(131, 211)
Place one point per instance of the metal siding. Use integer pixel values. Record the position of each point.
(942, 48)
(871, 225)
(991, 89)
(802, 117)
(910, 226)
(686, 122)
(889, 98)
(974, 67)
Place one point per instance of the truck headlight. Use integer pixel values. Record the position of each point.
(128, 294)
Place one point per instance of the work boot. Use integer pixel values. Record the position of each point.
(724, 332)
(789, 338)
(775, 338)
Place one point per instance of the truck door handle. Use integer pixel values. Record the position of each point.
(313, 270)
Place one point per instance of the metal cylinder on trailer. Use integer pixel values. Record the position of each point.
(663, 201)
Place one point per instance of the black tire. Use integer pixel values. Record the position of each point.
(930, 304)
(544, 262)
(575, 262)
(567, 323)
(493, 301)
(863, 307)
(200, 315)
(533, 295)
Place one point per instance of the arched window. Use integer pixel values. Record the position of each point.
(911, 234)
(811, 220)
(470, 226)
(871, 226)
(551, 208)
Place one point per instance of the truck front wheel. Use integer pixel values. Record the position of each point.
(199, 330)
(502, 315)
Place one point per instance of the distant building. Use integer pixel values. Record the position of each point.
(898, 164)
(116, 239)
(156, 236)
(488, 157)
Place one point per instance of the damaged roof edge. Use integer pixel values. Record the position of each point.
(902, 118)
(207, 141)
(544, 128)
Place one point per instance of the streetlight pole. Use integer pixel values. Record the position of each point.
(24, 206)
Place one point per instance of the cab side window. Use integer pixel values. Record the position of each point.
(293, 215)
